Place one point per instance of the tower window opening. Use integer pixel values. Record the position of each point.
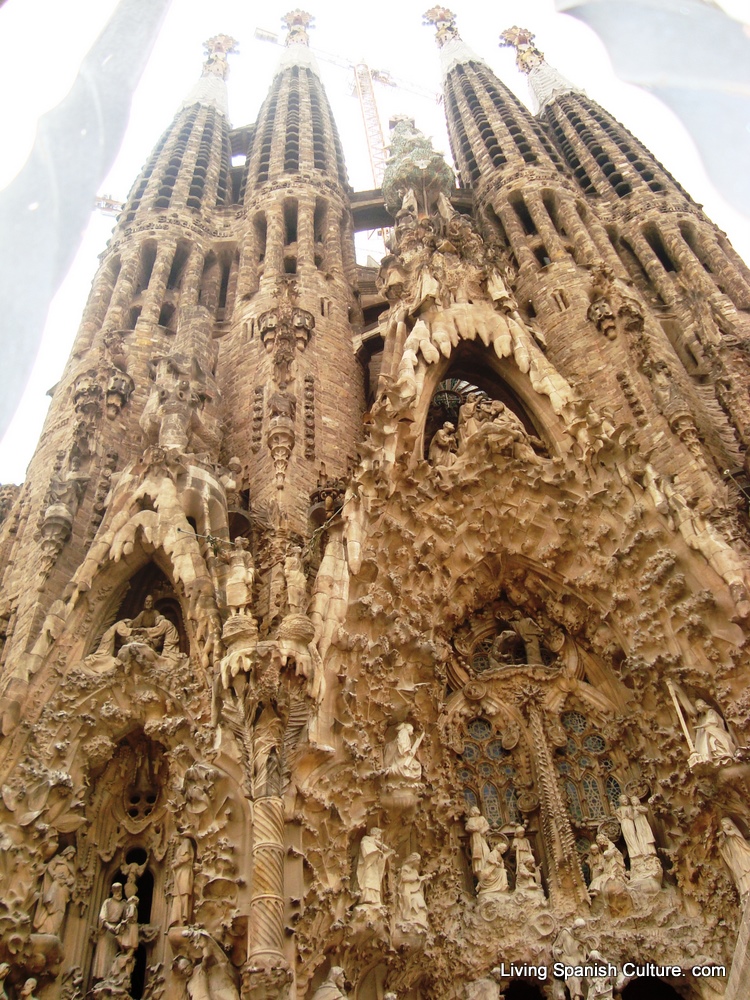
(223, 288)
(148, 259)
(261, 232)
(133, 317)
(290, 221)
(178, 263)
(166, 315)
(521, 210)
(290, 265)
(653, 237)
(320, 220)
(542, 256)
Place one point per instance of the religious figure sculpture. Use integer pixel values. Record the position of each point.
(57, 886)
(401, 754)
(477, 827)
(182, 888)
(132, 870)
(296, 581)
(333, 987)
(213, 978)
(442, 452)
(568, 949)
(4, 970)
(373, 857)
(27, 990)
(599, 987)
(240, 576)
(148, 631)
(712, 741)
(528, 875)
(607, 864)
(493, 878)
(735, 851)
(110, 916)
(411, 907)
(639, 838)
(127, 929)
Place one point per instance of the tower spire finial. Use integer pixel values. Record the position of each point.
(445, 22)
(528, 56)
(297, 22)
(217, 49)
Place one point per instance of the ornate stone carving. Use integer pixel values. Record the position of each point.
(373, 858)
(333, 987)
(735, 851)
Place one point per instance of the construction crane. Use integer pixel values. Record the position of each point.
(363, 89)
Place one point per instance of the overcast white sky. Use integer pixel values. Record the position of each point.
(43, 41)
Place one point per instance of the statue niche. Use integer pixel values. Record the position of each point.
(148, 626)
(505, 636)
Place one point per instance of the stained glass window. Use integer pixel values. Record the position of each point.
(591, 788)
(488, 775)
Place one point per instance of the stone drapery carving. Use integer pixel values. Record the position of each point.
(411, 908)
(57, 886)
(713, 744)
(110, 921)
(401, 755)
(333, 987)
(142, 638)
(373, 858)
(645, 867)
(735, 851)
(182, 883)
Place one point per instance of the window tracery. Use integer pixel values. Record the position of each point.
(488, 774)
(586, 769)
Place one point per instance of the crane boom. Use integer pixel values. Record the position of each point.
(371, 119)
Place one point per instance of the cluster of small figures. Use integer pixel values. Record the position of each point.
(114, 958)
(489, 868)
(490, 419)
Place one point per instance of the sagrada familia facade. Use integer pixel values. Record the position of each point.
(381, 633)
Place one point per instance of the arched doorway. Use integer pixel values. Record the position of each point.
(522, 989)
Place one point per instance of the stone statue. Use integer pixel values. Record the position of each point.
(712, 741)
(110, 916)
(529, 633)
(240, 576)
(607, 864)
(132, 870)
(401, 759)
(411, 907)
(127, 929)
(333, 987)
(598, 987)
(443, 446)
(57, 886)
(296, 581)
(27, 990)
(528, 876)
(735, 851)
(493, 878)
(161, 637)
(373, 856)
(213, 978)
(636, 829)
(4, 970)
(569, 950)
(477, 827)
(182, 889)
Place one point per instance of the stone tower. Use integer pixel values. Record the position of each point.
(396, 651)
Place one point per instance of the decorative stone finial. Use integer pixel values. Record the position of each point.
(297, 22)
(528, 56)
(217, 49)
(445, 22)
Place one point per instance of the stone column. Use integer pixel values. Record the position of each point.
(266, 927)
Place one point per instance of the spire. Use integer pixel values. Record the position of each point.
(297, 51)
(453, 49)
(545, 82)
(211, 88)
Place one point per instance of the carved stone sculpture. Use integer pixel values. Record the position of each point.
(442, 453)
(641, 844)
(599, 987)
(401, 755)
(333, 987)
(4, 970)
(735, 851)
(373, 857)
(28, 988)
(110, 917)
(182, 886)
(607, 864)
(712, 741)
(493, 878)
(411, 908)
(240, 576)
(296, 581)
(138, 639)
(213, 978)
(569, 949)
(477, 827)
(57, 886)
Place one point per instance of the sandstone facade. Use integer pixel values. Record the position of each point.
(383, 634)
